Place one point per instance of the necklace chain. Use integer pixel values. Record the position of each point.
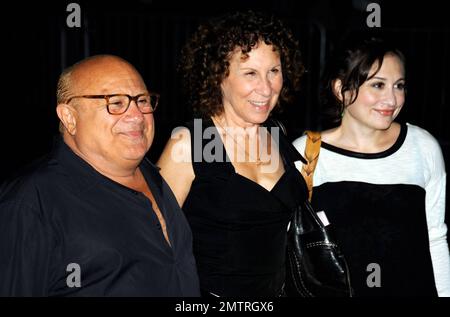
(258, 160)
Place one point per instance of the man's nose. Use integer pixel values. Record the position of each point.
(133, 111)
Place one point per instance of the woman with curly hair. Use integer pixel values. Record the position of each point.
(232, 171)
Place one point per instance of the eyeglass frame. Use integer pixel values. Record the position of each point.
(130, 98)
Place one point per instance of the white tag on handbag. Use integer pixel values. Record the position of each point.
(323, 217)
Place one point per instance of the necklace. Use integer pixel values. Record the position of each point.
(258, 159)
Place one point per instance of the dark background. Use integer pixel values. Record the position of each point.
(37, 45)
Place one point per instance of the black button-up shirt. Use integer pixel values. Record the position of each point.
(64, 222)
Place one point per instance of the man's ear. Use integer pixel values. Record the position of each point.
(67, 116)
(337, 89)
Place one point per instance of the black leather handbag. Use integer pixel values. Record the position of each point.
(315, 266)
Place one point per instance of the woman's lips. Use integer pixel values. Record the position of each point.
(386, 113)
(260, 105)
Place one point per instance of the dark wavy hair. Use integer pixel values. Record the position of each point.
(351, 64)
(205, 58)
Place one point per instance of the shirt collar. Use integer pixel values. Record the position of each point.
(85, 176)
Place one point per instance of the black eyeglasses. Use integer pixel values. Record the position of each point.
(119, 103)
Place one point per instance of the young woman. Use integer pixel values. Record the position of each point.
(380, 183)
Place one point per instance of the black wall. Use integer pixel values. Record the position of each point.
(150, 33)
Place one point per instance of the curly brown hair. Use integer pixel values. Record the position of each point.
(205, 58)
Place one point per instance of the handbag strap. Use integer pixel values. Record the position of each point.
(312, 150)
(278, 124)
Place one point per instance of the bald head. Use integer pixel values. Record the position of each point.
(80, 76)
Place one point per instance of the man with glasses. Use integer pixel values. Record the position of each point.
(95, 218)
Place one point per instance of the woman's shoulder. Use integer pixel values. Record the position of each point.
(300, 143)
(422, 138)
(183, 134)
(427, 145)
(177, 149)
(420, 133)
